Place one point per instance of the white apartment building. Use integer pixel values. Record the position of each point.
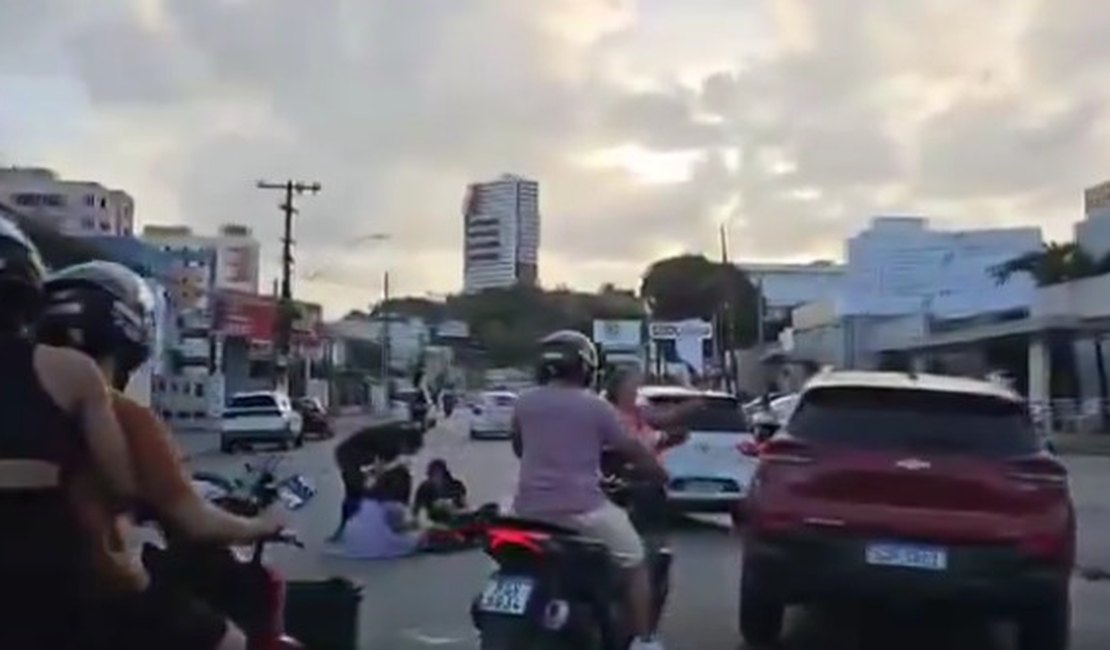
(1093, 233)
(234, 250)
(899, 265)
(501, 234)
(76, 208)
(786, 286)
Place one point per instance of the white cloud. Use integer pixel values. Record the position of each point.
(647, 121)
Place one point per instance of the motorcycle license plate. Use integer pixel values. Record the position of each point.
(504, 595)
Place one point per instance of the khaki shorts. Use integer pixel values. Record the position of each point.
(610, 526)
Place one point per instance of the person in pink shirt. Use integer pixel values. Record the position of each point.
(657, 428)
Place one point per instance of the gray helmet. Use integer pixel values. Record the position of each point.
(567, 355)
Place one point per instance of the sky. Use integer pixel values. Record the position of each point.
(648, 123)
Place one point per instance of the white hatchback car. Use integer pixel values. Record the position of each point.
(491, 415)
(709, 471)
(262, 416)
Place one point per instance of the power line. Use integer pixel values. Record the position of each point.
(291, 188)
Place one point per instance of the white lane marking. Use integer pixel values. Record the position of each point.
(429, 640)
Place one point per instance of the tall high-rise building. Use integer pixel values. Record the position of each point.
(501, 233)
(77, 208)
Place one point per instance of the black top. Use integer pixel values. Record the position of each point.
(33, 426)
(429, 493)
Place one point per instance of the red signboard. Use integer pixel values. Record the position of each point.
(247, 316)
(255, 318)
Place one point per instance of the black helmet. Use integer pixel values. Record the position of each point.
(103, 309)
(21, 274)
(567, 355)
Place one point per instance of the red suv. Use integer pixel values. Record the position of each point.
(892, 487)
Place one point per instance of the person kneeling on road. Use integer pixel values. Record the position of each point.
(559, 432)
(106, 311)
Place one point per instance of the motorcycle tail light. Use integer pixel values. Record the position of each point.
(500, 538)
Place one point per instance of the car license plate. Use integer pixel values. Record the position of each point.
(703, 487)
(506, 596)
(929, 558)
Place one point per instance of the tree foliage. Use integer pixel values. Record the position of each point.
(692, 286)
(1055, 263)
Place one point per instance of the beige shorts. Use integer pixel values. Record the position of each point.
(610, 526)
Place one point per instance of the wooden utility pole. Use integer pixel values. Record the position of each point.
(285, 304)
(726, 356)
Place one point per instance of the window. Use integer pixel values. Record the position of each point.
(26, 199)
(252, 402)
(720, 414)
(103, 203)
(54, 200)
(483, 257)
(90, 200)
(198, 390)
(105, 226)
(914, 421)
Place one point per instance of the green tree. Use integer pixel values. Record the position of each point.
(692, 286)
(1054, 263)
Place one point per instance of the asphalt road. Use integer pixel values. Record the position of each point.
(422, 602)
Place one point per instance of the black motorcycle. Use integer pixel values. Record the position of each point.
(237, 584)
(554, 588)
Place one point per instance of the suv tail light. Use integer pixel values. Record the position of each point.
(785, 450)
(1040, 470)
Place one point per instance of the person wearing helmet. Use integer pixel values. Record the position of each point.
(57, 415)
(106, 311)
(559, 431)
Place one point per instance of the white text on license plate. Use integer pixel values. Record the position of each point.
(929, 558)
(506, 596)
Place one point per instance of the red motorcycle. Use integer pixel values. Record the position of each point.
(236, 583)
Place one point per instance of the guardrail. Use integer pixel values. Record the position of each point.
(1071, 415)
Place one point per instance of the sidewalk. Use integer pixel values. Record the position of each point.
(1082, 444)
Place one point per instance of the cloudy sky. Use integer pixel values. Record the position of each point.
(648, 122)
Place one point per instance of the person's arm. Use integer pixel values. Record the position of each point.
(163, 484)
(616, 437)
(93, 401)
(665, 418)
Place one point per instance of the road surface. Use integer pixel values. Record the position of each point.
(422, 602)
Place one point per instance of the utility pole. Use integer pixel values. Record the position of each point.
(387, 319)
(728, 357)
(285, 304)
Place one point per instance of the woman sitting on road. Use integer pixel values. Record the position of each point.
(441, 496)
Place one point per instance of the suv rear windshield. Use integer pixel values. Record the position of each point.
(252, 402)
(719, 414)
(915, 421)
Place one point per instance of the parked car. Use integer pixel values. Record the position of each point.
(491, 414)
(263, 416)
(709, 471)
(314, 417)
(895, 487)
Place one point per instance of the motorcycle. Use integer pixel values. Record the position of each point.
(232, 581)
(554, 588)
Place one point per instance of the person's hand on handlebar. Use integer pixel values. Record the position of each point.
(268, 525)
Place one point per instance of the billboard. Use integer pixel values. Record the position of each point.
(684, 329)
(618, 334)
(246, 316)
(238, 267)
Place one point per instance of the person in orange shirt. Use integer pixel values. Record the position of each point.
(657, 429)
(106, 311)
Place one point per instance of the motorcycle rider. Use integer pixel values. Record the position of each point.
(559, 431)
(106, 311)
(56, 415)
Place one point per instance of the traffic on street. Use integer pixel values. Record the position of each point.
(423, 601)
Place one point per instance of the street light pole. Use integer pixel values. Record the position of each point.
(285, 307)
